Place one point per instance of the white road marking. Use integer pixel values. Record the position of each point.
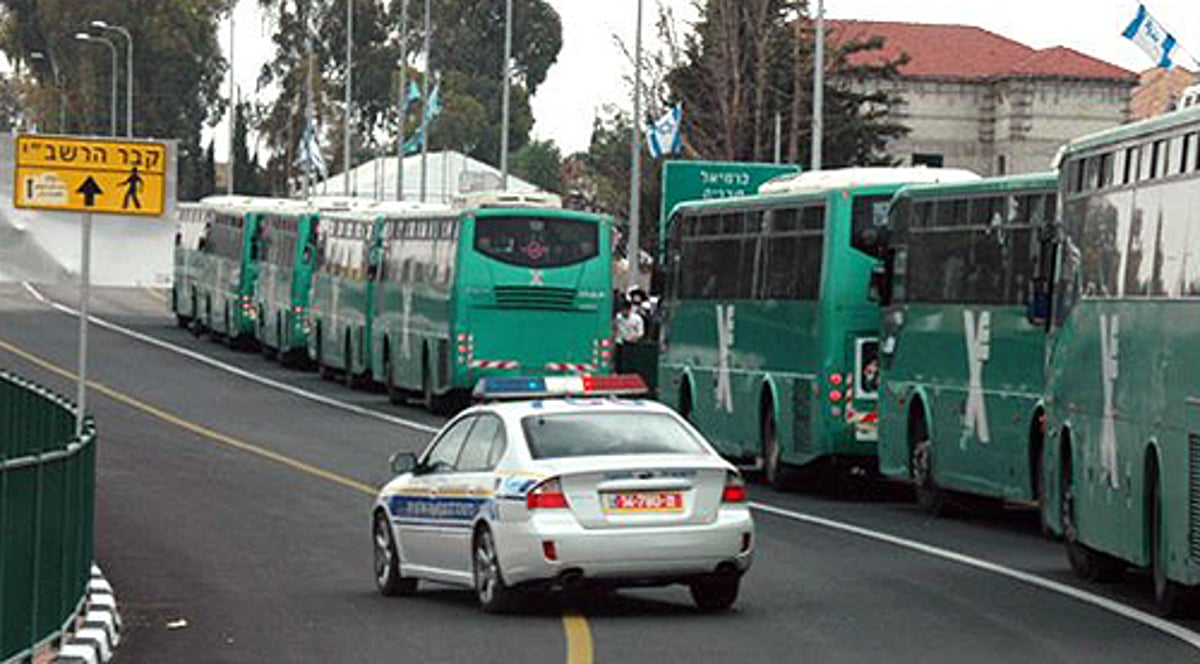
(229, 368)
(1154, 622)
(1167, 627)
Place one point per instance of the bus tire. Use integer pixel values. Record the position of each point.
(1087, 563)
(322, 367)
(389, 375)
(1168, 595)
(265, 348)
(348, 374)
(438, 405)
(777, 473)
(929, 495)
(685, 400)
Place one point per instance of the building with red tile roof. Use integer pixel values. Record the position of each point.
(975, 99)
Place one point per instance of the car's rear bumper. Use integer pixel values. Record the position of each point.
(624, 555)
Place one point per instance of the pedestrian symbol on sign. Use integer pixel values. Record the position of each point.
(134, 186)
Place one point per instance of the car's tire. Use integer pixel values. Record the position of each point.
(387, 561)
(1088, 564)
(715, 593)
(929, 495)
(493, 594)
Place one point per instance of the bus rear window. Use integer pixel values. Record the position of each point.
(869, 216)
(536, 241)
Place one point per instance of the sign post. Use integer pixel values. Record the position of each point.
(71, 174)
(684, 181)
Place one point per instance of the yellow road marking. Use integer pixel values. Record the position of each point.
(579, 637)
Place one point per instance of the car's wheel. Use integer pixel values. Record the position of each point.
(778, 474)
(493, 594)
(715, 593)
(930, 496)
(387, 562)
(1088, 564)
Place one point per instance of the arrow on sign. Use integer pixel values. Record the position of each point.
(90, 190)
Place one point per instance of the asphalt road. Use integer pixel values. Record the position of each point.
(243, 509)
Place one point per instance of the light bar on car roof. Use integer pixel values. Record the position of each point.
(559, 386)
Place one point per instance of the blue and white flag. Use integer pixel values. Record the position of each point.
(662, 137)
(1152, 37)
(308, 153)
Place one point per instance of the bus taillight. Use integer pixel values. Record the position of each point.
(835, 379)
(835, 396)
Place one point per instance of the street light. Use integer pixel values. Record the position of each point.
(128, 72)
(62, 95)
(83, 36)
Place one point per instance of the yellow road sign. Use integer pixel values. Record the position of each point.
(90, 175)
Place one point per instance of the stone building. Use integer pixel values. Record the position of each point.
(976, 100)
(1160, 90)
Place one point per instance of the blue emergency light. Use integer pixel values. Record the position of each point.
(539, 387)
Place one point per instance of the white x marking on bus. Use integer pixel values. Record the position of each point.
(979, 340)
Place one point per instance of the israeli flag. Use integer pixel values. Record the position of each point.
(308, 153)
(662, 137)
(1151, 37)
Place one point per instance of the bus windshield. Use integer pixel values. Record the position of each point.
(537, 242)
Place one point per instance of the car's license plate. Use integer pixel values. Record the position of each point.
(644, 501)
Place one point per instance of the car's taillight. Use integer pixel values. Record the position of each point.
(547, 495)
(735, 489)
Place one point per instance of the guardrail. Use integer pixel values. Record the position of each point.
(47, 510)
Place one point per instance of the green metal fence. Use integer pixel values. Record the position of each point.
(47, 508)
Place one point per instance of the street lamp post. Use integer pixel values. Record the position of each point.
(83, 36)
(633, 244)
(349, 99)
(62, 95)
(128, 71)
(508, 26)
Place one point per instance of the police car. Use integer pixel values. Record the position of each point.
(568, 486)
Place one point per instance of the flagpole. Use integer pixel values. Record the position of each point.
(402, 112)
(425, 111)
(818, 118)
(349, 86)
(508, 19)
(632, 251)
(232, 106)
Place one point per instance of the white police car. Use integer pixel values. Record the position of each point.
(564, 488)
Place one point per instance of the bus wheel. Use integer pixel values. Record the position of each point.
(181, 320)
(348, 364)
(776, 472)
(1088, 564)
(267, 350)
(930, 496)
(438, 405)
(1168, 594)
(389, 375)
(322, 368)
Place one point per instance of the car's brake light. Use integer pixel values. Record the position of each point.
(735, 489)
(547, 495)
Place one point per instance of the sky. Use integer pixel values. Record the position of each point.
(591, 71)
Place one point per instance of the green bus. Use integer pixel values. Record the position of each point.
(284, 259)
(961, 351)
(224, 288)
(450, 295)
(343, 290)
(1122, 395)
(190, 263)
(768, 339)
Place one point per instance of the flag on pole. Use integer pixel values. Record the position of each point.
(1151, 37)
(308, 153)
(412, 144)
(414, 95)
(662, 136)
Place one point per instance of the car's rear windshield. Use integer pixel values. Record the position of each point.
(561, 435)
(537, 242)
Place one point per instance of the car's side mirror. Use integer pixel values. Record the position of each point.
(403, 462)
(879, 291)
(1039, 303)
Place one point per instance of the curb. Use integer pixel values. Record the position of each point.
(97, 630)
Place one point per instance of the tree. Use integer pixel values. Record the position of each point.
(177, 67)
(208, 181)
(604, 183)
(540, 163)
(245, 168)
(748, 60)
